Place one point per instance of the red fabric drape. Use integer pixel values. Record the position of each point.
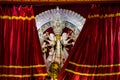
(20, 50)
(96, 53)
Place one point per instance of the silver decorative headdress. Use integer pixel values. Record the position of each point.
(57, 22)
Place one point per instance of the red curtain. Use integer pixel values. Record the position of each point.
(96, 53)
(20, 50)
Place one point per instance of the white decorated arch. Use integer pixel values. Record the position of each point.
(70, 16)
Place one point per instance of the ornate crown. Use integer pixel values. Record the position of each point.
(57, 22)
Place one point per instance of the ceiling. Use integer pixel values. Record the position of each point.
(57, 1)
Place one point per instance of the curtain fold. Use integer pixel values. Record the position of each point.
(96, 53)
(20, 50)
